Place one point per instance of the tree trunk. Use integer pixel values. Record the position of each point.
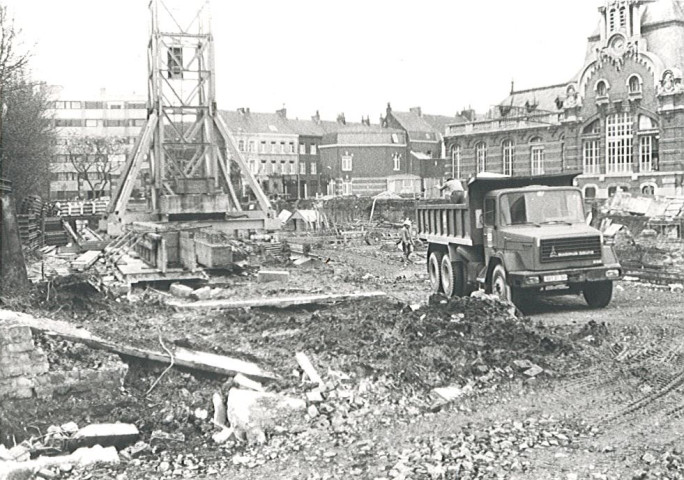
(13, 274)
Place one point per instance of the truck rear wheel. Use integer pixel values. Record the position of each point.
(598, 294)
(435, 271)
(453, 283)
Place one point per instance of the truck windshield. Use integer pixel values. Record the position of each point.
(542, 207)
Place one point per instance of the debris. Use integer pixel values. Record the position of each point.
(223, 436)
(85, 261)
(204, 293)
(160, 437)
(180, 290)
(245, 382)
(265, 276)
(46, 473)
(135, 451)
(279, 302)
(312, 411)
(106, 435)
(201, 414)
(82, 457)
(255, 413)
(302, 260)
(648, 458)
(220, 418)
(523, 364)
(534, 371)
(449, 394)
(314, 396)
(676, 287)
(308, 368)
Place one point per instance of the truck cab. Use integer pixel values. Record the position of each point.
(516, 238)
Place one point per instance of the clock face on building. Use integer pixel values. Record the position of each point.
(617, 43)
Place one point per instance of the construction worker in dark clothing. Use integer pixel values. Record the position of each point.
(406, 240)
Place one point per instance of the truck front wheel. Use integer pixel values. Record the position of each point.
(598, 294)
(435, 271)
(453, 282)
(499, 285)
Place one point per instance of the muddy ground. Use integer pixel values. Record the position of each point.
(608, 404)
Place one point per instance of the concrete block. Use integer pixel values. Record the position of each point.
(107, 435)
(180, 290)
(252, 412)
(223, 436)
(203, 293)
(273, 276)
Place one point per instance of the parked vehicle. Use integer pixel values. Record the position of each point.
(518, 237)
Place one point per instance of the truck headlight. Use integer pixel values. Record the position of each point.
(612, 273)
(532, 280)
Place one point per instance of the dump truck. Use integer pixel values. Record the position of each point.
(517, 237)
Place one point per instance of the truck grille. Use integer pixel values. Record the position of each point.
(564, 249)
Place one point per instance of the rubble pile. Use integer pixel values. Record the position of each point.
(425, 346)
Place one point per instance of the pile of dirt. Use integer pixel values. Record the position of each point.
(440, 344)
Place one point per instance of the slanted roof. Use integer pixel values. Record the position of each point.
(308, 127)
(241, 121)
(309, 216)
(441, 122)
(544, 98)
(662, 11)
(425, 127)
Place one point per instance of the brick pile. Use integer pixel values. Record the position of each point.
(26, 372)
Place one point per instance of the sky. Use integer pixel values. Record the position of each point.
(350, 56)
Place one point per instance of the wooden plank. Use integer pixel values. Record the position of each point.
(86, 260)
(206, 362)
(277, 302)
(308, 368)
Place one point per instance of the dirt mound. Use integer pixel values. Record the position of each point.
(443, 343)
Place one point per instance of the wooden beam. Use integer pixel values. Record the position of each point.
(277, 302)
(202, 361)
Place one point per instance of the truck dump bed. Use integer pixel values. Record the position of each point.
(461, 224)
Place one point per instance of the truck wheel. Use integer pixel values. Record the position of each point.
(435, 271)
(499, 285)
(453, 283)
(598, 294)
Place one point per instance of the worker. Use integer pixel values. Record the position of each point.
(406, 240)
(453, 191)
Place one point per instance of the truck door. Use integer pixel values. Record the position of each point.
(489, 231)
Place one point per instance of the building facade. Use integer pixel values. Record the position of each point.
(270, 146)
(95, 134)
(310, 137)
(426, 159)
(366, 159)
(620, 121)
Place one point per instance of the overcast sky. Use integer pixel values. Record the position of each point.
(350, 56)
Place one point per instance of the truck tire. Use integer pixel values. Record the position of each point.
(598, 294)
(499, 285)
(435, 271)
(453, 282)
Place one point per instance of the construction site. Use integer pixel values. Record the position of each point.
(205, 333)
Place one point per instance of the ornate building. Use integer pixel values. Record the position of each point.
(620, 121)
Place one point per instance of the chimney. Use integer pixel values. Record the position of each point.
(512, 87)
(316, 118)
(365, 121)
(341, 120)
(468, 114)
(282, 112)
(416, 110)
(389, 108)
(243, 111)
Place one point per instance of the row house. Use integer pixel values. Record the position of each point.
(310, 137)
(365, 159)
(426, 164)
(270, 146)
(94, 136)
(620, 121)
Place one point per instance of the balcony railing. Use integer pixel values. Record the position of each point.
(505, 123)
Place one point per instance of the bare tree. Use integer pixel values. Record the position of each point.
(12, 63)
(95, 160)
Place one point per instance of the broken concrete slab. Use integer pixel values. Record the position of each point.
(105, 434)
(308, 368)
(449, 394)
(220, 418)
(203, 293)
(180, 290)
(533, 371)
(159, 437)
(256, 413)
(82, 457)
(279, 302)
(314, 396)
(265, 276)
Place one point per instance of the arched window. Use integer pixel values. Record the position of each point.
(619, 136)
(456, 161)
(481, 157)
(537, 156)
(589, 192)
(507, 155)
(611, 19)
(634, 84)
(648, 137)
(601, 88)
(594, 128)
(648, 189)
(623, 17)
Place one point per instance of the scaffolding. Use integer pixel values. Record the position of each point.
(193, 168)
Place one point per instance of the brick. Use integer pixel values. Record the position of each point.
(273, 276)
